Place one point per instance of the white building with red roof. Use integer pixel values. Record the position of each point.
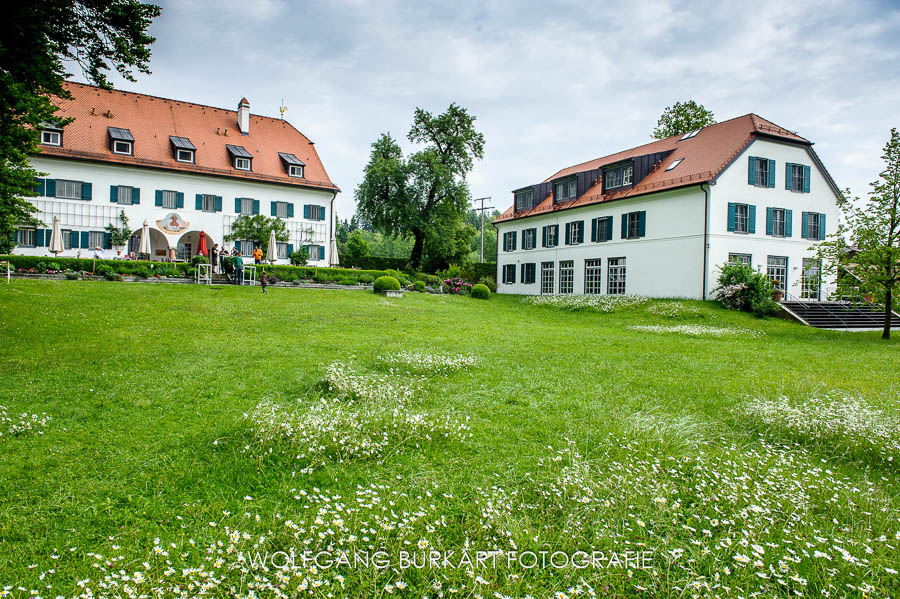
(659, 219)
(184, 168)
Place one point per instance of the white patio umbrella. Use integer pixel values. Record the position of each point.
(145, 239)
(272, 250)
(333, 259)
(56, 242)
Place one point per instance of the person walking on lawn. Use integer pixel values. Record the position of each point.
(257, 254)
(263, 281)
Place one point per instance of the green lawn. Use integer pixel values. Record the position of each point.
(200, 416)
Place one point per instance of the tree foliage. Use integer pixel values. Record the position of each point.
(682, 117)
(258, 228)
(424, 195)
(119, 236)
(36, 38)
(355, 249)
(871, 260)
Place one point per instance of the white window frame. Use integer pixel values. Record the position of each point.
(569, 188)
(525, 199)
(241, 163)
(281, 248)
(124, 192)
(295, 170)
(66, 238)
(593, 276)
(61, 188)
(96, 239)
(313, 250)
(603, 229)
(778, 222)
(620, 176)
(573, 229)
(811, 279)
(739, 258)
(248, 204)
(566, 276)
(633, 225)
(507, 269)
(126, 148)
(797, 178)
(180, 153)
(169, 199)
(247, 248)
(47, 137)
(208, 203)
(528, 273)
(547, 278)
(529, 238)
(672, 166)
(615, 274)
(552, 231)
(281, 209)
(742, 218)
(508, 240)
(26, 237)
(812, 225)
(777, 272)
(761, 170)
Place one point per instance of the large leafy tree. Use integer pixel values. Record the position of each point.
(682, 117)
(871, 259)
(36, 37)
(258, 228)
(420, 195)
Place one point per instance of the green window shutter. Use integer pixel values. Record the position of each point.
(555, 235)
(751, 171)
(789, 176)
(321, 252)
(39, 185)
(291, 210)
(39, 238)
(306, 211)
(804, 224)
(770, 228)
(218, 203)
(198, 201)
(107, 245)
(642, 223)
(158, 200)
(751, 211)
(581, 231)
(290, 249)
(273, 208)
(237, 205)
(114, 194)
(179, 200)
(788, 223)
(86, 191)
(515, 240)
(74, 240)
(771, 181)
(255, 206)
(731, 210)
(594, 225)
(807, 171)
(821, 227)
(50, 188)
(624, 226)
(85, 239)
(609, 228)
(136, 195)
(544, 236)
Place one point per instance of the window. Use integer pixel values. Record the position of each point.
(546, 277)
(121, 147)
(740, 223)
(313, 212)
(66, 238)
(70, 190)
(124, 195)
(811, 279)
(242, 164)
(209, 203)
(813, 228)
(566, 276)
(634, 225)
(551, 234)
(295, 170)
(247, 248)
(615, 284)
(740, 259)
(798, 182)
(529, 239)
(51, 138)
(601, 228)
(776, 269)
(294, 165)
(185, 156)
(315, 253)
(778, 222)
(282, 249)
(564, 191)
(617, 177)
(593, 276)
(169, 199)
(184, 251)
(96, 239)
(509, 241)
(246, 206)
(575, 232)
(26, 237)
(525, 199)
(762, 172)
(509, 274)
(281, 209)
(672, 166)
(528, 273)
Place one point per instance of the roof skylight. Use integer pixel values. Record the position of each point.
(674, 164)
(690, 134)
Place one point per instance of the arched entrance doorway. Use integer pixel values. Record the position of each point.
(159, 245)
(188, 244)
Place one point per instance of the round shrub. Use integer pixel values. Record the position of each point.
(420, 286)
(366, 278)
(72, 276)
(347, 281)
(199, 259)
(480, 291)
(142, 272)
(386, 283)
(742, 288)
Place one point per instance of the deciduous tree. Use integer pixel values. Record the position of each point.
(682, 117)
(258, 228)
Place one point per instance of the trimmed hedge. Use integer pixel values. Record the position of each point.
(420, 286)
(386, 283)
(480, 292)
(381, 263)
(123, 267)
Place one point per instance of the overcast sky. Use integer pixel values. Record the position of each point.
(551, 83)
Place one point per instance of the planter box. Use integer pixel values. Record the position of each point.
(393, 292)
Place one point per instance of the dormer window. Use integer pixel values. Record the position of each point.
(619, 176)
(121, 141)
(564, 191)
(51, 137)
(183, 148)
(293, 164)
(525, 199)
(241, 158)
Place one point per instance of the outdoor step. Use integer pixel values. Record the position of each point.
(834, 315)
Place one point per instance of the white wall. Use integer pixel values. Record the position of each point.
(96, 214)
(667, 262)
(732, 186)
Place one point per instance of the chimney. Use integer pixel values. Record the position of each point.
(243, 114)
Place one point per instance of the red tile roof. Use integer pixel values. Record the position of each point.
(152, 120)
(703, 156)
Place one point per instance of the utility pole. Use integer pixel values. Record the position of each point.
(481, 212)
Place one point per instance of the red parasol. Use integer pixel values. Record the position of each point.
(201, 247)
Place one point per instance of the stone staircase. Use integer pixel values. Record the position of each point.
(839, 315)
